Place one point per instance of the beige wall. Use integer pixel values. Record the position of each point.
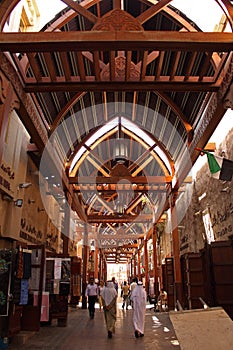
(211, 196)
(15, 159)
(30, 223)
(219, 195)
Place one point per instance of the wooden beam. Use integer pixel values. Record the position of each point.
(175, 64)
(190, 65)
(124, 188)
(65, 64)
(81, 10)
(152, 11)
(50, 65)
(34, 66)
(134, 204)
(117, 40)
(117, 4)
(112, 66)
(205, 66)
(97, 65)
(118, 219)
(175, 85)
(65, 110)
(115, 179)
(81, 67)
(143, 65)
(128, 64)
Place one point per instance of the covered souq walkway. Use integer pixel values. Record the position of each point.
(200, 329)
(124, 94)
(84, 333)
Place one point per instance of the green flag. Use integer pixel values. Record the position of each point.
(213, 164)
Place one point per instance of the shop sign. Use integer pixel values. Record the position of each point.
(7, 170)
(5, 184)
(5, 178)
(222, 222)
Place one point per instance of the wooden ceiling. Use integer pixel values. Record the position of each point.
(144, 61)
(125, 57)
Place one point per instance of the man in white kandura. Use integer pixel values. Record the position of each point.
(138, 298)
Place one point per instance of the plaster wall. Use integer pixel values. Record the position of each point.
(211, 197)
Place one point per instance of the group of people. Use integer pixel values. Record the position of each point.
(108, 293)
(126, 291)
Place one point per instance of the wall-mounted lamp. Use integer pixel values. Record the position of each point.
(6, 197)
(226, 189)
(24, 185)
(18, 202)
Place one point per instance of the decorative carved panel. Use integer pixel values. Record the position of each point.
(120, 70)
(117, 20)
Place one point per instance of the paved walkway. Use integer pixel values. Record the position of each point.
(84, 333)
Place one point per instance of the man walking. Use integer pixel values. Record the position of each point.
(91, 293)
(139, 298)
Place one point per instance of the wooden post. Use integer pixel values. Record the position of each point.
(84, 279)
(100, 266)
(105, 272)
(146, 266)
(66, 234)
(139, 264)
(96, 259)
(131, 267)
(155, 266)
(178, 293)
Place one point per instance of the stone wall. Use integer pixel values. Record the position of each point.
(211, 198)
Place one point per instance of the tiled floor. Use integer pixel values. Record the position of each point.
(84, 333)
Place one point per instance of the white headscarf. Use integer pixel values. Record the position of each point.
(108, 293)
(139, 293)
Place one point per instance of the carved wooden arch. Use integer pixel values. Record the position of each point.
(105, 136)
(65, 110)
(76, 8)
(7, 7)
(175, 108)
(93, 131)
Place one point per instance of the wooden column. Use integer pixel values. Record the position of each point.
(178, 293)
(134, 266)
(155, 266)
(100, 265)
(128, 271)
(146, 266)
(85, 257)
(96, 261)
(66, 233)
(105, 272)
(139, 264)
